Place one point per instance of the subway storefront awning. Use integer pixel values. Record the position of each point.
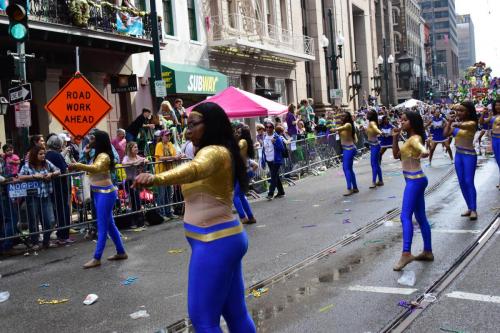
(189, 79)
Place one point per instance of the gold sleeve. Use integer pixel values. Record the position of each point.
(100, 165)
(243, 148)
(206, 162)
(468, 126)
(344, 127)
(374, 127)
(417, 145)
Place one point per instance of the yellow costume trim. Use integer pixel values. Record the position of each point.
(216, 234)
(421, 175)
(107, 190)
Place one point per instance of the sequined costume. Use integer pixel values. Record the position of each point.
(239, 199)
(348, 153)
(373, 132)
(466, 161)
(386, 138)
(218, 242)
(495, 138)
(104, 201)
(413, 197)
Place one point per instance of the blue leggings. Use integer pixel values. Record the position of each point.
(414, 204)
(465, 166)
(347, 163)
(215, 284)
(241, 203)
(375, 162)
(104, 203)
(495, 142)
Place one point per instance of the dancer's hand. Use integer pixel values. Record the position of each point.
(143, 180)
(396, 131)
(424, 155)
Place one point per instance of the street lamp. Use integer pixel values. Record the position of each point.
(334, 56)
(377, 82)
(4, 105)
(356, 81)
(384, 63)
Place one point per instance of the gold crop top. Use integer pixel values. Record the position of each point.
(373, 130)
(412, 148)
(99, 169)
(209, 172)
(345, 132)
(466, 130)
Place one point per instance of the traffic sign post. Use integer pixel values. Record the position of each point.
(78, 106)
(20, 93)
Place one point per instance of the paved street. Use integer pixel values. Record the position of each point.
(334, 294)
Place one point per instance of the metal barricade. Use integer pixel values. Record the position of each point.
(26, 214)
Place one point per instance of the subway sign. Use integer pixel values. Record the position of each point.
(188, 79)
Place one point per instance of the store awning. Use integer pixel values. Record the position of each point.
(189, 79)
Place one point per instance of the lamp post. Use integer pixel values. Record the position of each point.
(356, 81)
(334, 56)
(377, 82)
(4, 105)
(324, 42)
(384, 62)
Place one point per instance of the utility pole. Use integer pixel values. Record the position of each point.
(160, 89)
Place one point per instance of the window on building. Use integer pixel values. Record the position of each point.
(441, 25)
(193, 30)
(395, 16)
(284, 15)
(441, 56)
(168, 17)
(397, 43)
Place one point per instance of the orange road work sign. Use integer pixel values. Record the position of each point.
(78, 106)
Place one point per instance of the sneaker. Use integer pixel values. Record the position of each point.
(269, 198)
(278, 196)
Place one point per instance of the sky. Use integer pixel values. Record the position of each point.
(484, 14)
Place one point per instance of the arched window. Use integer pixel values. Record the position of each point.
(395, 15)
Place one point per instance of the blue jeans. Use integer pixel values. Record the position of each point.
(40, 208)
(414, 204)
(8, 224)
(104, 203)
(165, 196)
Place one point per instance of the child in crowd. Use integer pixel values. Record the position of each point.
(12, 161)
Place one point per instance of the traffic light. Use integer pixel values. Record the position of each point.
(17, 11)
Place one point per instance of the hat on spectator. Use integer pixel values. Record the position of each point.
(165, 132)
(158, 133)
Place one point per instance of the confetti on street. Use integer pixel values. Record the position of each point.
(42, 301)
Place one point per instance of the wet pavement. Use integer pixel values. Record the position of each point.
(314, 299)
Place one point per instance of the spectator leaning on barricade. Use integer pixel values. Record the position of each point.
(272, 155)
(37, 168)
(119, 143)
(134, 164)
(35, 140)
(165, 155)
(61, 192)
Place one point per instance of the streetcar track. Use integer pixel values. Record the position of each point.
(184, 324)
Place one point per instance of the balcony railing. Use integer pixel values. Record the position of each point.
(101, 16)
(256, 33)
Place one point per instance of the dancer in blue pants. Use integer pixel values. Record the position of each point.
(464, 130)
(416, 182)
(436, 125)
(494, 122)
(240, 200)
(347, 139)
(373, 132)
(218, 241)
(104, 197)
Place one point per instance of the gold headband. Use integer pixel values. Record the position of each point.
(196, 113)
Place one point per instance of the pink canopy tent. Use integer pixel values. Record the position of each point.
(241, 104)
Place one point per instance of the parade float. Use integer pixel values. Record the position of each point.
(478, 85)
